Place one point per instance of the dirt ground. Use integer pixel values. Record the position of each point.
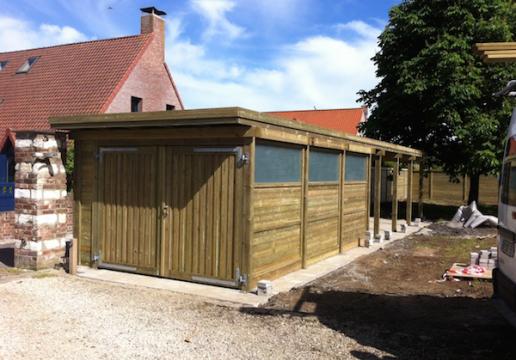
(387, 305)
(396, 293)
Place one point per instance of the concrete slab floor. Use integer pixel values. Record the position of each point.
(238, 298)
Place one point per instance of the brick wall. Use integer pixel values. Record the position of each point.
(42, 205)
(7, 225)
(149, 79)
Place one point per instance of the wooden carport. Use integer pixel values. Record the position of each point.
(223, 196)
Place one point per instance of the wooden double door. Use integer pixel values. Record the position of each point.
(169, 211)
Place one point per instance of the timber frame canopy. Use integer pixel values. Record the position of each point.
(497, 51)
(225, 196)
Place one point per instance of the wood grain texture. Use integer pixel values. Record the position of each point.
(128, 214)
(83, 197)
(354, 213)
(322, 226)
(275, 245)
(198, 231)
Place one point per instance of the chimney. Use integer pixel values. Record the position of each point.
(152, 22)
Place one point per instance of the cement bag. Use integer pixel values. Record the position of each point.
(472, 218)
(485, 219)
(458, 215)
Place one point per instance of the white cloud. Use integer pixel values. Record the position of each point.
(320, 71)
(363, 29)
(215, 13)
(19, 34)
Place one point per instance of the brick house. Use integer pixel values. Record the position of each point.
(126, 74)
(345, 120)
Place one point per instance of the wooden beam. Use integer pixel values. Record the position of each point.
(377, 193)
(409, 191)
(394, 216)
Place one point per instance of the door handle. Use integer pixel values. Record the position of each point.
(165, 211)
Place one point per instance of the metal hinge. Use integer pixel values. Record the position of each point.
(240, 278)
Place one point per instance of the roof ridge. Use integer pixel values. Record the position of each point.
(306, 110)
(78, 43)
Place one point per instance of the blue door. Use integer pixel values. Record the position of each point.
(6, 187)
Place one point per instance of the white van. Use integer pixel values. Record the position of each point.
(504, 276)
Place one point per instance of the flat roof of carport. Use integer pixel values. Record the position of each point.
(211, 117)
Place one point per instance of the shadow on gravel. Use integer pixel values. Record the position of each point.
(408, 327)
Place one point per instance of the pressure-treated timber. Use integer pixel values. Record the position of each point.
(410, 176)
(377, 193)
(304, 205)
(275, 245)
(395, 174)
(322, 219)
(420, 192)
(218, 117)
(127, 214)
(199, 202)
(244, 230)
(368, 193)
(354, 213)
(497, 52)
(342, 173)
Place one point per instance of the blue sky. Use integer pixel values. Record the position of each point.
(261, 54)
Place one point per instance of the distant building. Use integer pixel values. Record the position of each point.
(345, 120)
(126, 74)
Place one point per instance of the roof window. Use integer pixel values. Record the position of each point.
(3, 64)
(27, 65)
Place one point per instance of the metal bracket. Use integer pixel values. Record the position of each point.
(240, 278)
(241, 157)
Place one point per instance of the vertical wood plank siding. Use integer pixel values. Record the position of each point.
(127, 208)
(199, 191)
(86, 167)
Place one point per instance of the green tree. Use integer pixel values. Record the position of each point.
(434, 93)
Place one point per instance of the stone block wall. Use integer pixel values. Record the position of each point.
(42, 207)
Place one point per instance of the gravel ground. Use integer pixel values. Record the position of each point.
(67, 317)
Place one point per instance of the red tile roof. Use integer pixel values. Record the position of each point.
(77, 78)
(345, 120)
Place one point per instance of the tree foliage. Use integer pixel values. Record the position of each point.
(434, 92)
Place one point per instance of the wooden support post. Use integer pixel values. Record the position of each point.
(377, 193)
(73, 254)
(368, 197)
(304, 207)
(394, 213)
(342, 175)
(409, 191)
(420, 194)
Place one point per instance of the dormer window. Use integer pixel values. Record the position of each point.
(3, 64)
(27, 65)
